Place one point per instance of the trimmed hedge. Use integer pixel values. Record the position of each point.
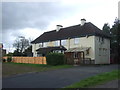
(55, 59)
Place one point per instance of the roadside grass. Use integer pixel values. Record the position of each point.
(9, 69)
(96, 80)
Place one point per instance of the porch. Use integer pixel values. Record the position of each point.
(77, 56)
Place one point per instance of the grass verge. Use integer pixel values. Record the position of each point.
(9, 69)
(95, 80)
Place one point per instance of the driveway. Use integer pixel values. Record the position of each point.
(55, 79)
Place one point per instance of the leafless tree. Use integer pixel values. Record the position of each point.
(21, 43)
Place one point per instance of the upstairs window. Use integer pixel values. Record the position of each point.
(63, 42)
(40, 44)
(57, 43)
(100, 51)
(101, 40)
(76, 40)
(45, 44)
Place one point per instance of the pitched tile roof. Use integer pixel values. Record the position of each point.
(71, 32)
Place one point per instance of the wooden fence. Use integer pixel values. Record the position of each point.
(30, 60)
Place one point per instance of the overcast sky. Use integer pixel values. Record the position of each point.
(31, 19)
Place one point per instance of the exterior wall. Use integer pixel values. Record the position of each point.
(83, 42)
(38, 45)
(34, 48)
(102, 51)
(100, 56)
(52, 43)
(1, 51)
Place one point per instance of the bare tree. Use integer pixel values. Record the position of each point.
(21, 44)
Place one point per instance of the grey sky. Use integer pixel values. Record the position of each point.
(34, 15)
(18, 18)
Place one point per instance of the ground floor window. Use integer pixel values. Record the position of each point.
(58, 51)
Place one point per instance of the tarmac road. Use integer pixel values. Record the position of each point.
(55, 79)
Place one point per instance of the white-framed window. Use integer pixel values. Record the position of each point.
(45, 44)
(76, 40)
(57, 51)
(101, 40)
(63, 42)
(40, 44)
(100, 51)
(57, 43)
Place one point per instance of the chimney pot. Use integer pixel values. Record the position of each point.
(58, 27)
(83, 21)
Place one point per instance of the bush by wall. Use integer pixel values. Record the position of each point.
(3, 60)
(55, 59)
(9, 59)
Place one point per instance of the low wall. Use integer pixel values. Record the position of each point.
(30, 60)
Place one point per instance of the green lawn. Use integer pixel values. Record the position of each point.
(95, 80)
(9, 69)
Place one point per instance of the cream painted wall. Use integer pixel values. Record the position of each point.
(52, 43)
(83, 42)
(102, 56)
(34, 48)
(38, 45)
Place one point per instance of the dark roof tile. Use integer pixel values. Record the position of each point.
(71, 32)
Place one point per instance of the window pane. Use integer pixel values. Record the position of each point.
(57, 43)
(40, 44)
(76, 41)
(45, 44)
(63, 42)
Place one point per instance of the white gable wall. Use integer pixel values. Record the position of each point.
(102, 51)
(34, 48)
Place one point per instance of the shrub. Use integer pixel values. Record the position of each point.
(9, 59)
(3, 60)
(55, 59)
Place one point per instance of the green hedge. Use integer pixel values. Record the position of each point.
(9, 59)
(55, 59)
(3, 60)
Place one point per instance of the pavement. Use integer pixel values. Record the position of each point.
(56, 78)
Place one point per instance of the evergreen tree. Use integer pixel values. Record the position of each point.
(115, 39)
(106, 28)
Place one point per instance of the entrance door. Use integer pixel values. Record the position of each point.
(76, 56)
